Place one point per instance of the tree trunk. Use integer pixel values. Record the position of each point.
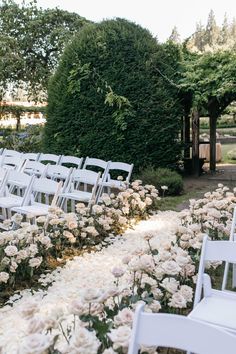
(17, 123)
(213, 120)
(187, 136)
(195, 142)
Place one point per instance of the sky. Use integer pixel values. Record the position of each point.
(158, 16)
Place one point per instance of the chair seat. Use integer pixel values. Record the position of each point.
(77, 195)
(36, 209)
(113, 183)
(217, 310)
(10, 201)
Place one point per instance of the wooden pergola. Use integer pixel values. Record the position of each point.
(191, 121)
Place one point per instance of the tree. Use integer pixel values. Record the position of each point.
(33, 40)
(212, 30)
(175, 36)
(211, 80)
(110, 97)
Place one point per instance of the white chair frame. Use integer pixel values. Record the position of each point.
(73, 160)
(232, 237)
(180, 332)
(217, 307)
(49, 158)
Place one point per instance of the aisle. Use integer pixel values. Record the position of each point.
(91, 270)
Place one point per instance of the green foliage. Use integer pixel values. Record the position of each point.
(28, 141)
(31, 42)
(231, 154)
(110, 97)
(163, 177)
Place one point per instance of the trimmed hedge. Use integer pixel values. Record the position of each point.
(108, 99)
(163, 177)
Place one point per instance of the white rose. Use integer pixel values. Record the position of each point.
(4, 277)
(120, 337)
(29, 309)
(178, 301)
(187, 292)
(124, 317)
(117, 272)
(170, 284)
(171, 267)
(11, 251)
(35, 262)
(83, 342)
(35, 343)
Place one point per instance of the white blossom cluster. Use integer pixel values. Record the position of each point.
(25, 250)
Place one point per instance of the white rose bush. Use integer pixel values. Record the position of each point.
(87, 306)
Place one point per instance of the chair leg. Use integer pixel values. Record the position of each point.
(234, 276)
(225, 277)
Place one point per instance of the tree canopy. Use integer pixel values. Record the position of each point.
(31, 42)
(109, 97)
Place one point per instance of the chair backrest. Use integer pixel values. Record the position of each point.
(18, 179)
(12, 162)
(212, 251)
(2, 174)
(71, 160)
(85, 176)
(12, 153)
(34, 168)
(58, 172)
(121, 166)
(89, 161)
(179, 332)
(31, 156)
(49, 158)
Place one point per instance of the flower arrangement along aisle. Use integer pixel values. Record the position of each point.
(87, 306)
(27, 249)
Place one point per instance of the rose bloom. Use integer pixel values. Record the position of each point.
(170, 284)
(11, 251)
(120, 337)
(92, 295)
(35, 343)
(36, 324)
(187, 292)
(83, 342)
(171, 267)
(118, 272)
(178, 301)
(35, 262)
(4, 277)
(124, 317)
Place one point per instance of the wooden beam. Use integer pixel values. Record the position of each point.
(195, 142)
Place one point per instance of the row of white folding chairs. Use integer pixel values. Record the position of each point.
(32, 188)
(12, 180)
(213, 310)
(15, 157)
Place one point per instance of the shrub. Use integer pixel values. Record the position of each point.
(108, 100)
(163, 177)
(28, 141)
(231, 154)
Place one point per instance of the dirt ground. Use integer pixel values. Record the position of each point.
(225, 174)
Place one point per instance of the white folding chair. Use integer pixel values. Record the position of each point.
(58, 172)
(232, 237)
(49, 158)
(217, 307)
(11, 153)
(80, 179)
(35, 168)
(12, 162)
(119, 166)
(91, 162)
(31, 156)
(72, 161)
(179, 332)
(30, 206)
(8, 199)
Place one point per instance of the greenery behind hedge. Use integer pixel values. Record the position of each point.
(109, 97)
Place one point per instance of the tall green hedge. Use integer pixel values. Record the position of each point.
(108, 99)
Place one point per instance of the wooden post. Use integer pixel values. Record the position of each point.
(195, 142)
(213, 120)
(186, 136)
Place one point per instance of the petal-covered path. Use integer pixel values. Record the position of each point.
(92, 270)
